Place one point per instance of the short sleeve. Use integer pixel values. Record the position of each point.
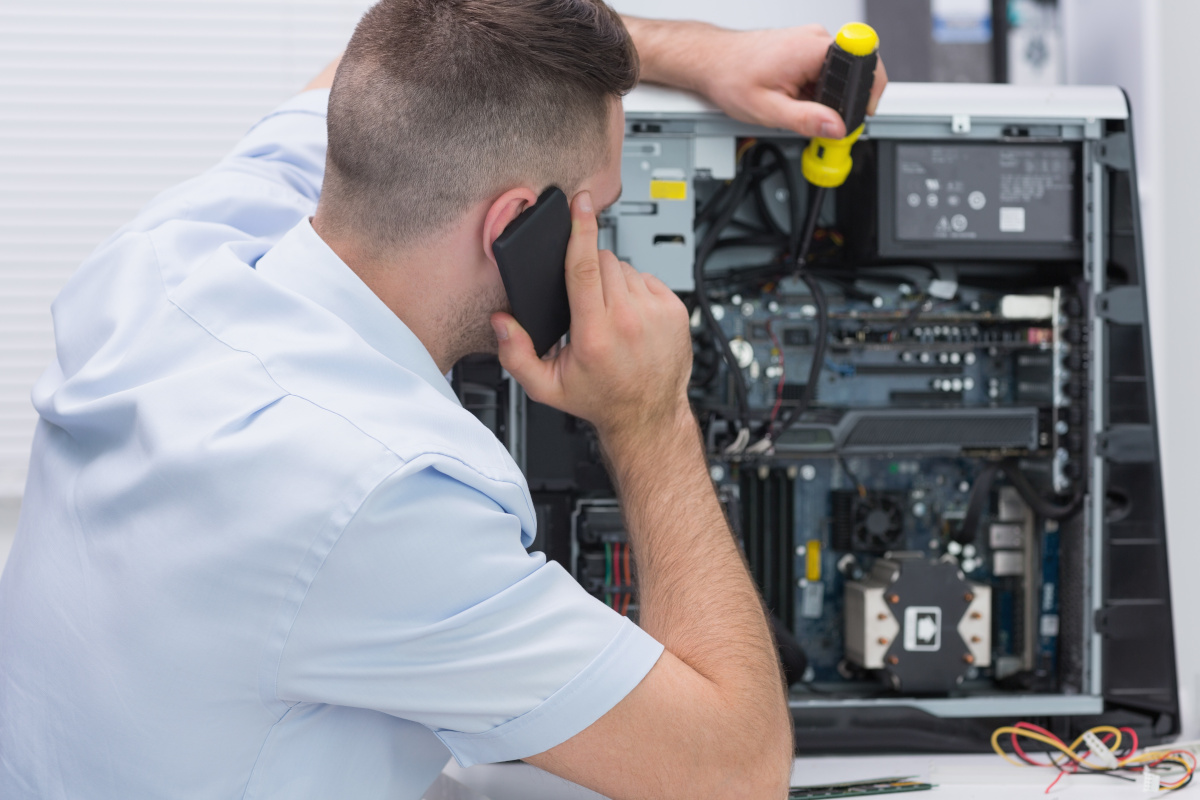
(428, 608)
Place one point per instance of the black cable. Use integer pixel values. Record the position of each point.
(920, 307)
(848, 289)
(981, 491)
(756, 230)
(977, 504)
(802, 238)
(799, 241)
(734, 193)
(764, 240)
(760, 200)
(1040, 505)
(906, 264)
(1183, 764)
(706, 211)
(858, 485)
(803, 243)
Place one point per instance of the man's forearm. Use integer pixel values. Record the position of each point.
(324, 78)
(671, 52)
(695, 593)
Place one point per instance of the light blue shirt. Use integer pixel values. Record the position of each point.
(263, 551)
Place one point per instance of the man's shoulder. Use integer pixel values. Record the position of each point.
(316, 357)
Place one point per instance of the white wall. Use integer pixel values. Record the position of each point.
(746, 14)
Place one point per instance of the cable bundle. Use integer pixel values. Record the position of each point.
(1100, 751)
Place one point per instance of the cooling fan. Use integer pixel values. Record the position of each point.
(871, 523)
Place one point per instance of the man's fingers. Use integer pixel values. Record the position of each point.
(655, 285)
(518, 356)
(877, 87)
(585, 292)
(803, 116)
(633, 279)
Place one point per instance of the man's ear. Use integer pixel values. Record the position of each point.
(503, 210)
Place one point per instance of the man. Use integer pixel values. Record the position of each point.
(265, 553)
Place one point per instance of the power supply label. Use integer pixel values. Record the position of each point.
(986, 193)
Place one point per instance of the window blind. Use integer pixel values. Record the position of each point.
(105, 103)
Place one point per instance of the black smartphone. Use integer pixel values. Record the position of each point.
(532, 256)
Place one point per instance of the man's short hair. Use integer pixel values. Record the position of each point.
(439, 104)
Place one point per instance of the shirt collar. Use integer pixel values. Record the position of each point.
(304, 263)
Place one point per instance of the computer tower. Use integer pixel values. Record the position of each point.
(960, 522)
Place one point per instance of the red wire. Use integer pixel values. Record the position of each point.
(1132, 735)
(1074, 766)
(1057, 778)
(782, 376)
(1167, 755)
(1037, 729)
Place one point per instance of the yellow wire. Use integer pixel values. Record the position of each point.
(1152, 755)
(1069, 752)
(746, 145)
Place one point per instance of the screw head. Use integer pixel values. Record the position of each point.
(969, 596)
(970, 659)
(893, 598)
(883, 640)
(893, 660)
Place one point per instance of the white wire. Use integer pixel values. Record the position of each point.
(763, 445)
(739, 443)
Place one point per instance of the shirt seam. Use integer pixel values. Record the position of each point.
(288, 393)
(261, 749)
(287, 634)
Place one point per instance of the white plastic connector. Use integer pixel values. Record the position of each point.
(1100, 752)
(943, 289)
(1151, 781)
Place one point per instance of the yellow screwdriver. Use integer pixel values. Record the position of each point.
(845, 86)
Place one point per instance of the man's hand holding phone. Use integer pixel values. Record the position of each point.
(626, 367)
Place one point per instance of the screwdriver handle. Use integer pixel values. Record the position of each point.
(845, 86)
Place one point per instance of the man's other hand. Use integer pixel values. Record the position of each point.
(626, 367)
(762, 77)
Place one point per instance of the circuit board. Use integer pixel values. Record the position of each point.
(870, 788)
(892, 346)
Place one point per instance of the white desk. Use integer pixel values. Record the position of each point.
(963, 777)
